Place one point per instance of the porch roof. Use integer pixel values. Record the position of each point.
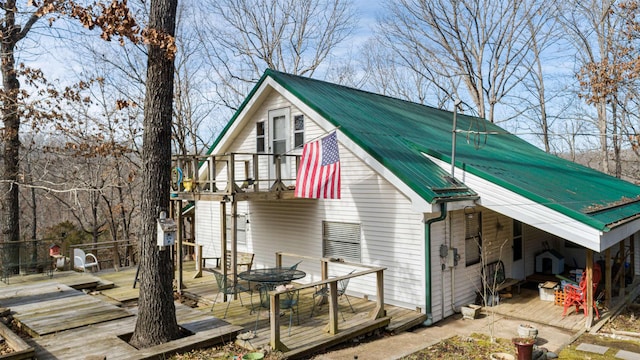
(397, 133)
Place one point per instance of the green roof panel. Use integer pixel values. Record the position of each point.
(396, 133)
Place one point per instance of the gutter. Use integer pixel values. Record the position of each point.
(427, 261)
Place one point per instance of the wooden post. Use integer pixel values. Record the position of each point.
(256, 172)
(278, 259)
(194, 168)
(333, 308)
(223, 240)
(632, 255)
(378, 311)
(324, 273)
(234, 243)
(212, 174)
(199, 261)
(622, 270)
(589, 275)
(275, 323)
(607, 277)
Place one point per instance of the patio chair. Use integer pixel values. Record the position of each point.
(226, 287)
(82, 261)
(288, 301)
(577, 295)
(263, 302)
(323, 292)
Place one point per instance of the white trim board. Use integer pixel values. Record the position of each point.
(516, 206)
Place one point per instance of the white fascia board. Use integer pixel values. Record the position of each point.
(516, 206)
(418, 203)
(618, 233)
(247, 110)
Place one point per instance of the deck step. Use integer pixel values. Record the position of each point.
(400, 324)
(104, 285)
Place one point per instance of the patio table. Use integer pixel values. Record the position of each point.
(272, 276)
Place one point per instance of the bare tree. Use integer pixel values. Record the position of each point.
(19, 19)
(483, 43)
(594, 30)
(244, 37)
(406, 79)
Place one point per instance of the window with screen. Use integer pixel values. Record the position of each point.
(260, 137)
(341, 240)
(298, 131)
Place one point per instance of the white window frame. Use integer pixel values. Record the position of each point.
(342, 240)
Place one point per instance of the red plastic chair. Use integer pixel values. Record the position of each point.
(577, 295)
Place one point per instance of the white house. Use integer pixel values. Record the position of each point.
(400, 208)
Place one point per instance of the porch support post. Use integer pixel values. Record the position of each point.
(589, 275)
(632, 254)
(378, 311)
(607, 277)
(223, 240)
(333, 308)
(234, 243)
(199, 261)
(274, 323)
(324, 273)
(622, 270)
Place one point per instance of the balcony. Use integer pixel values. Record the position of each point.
(242, 176)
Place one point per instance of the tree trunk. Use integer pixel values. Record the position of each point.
(11, 119)
(156, 323)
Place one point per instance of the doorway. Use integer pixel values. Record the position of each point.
(279, 140)
(517, 265)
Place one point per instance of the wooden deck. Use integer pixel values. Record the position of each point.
(65, 322)
(49, 307)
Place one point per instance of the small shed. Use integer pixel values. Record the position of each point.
(550, 262)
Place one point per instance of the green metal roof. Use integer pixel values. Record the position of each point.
(396, 133)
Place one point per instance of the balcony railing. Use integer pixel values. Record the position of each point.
(234, 173)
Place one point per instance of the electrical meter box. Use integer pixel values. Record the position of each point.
(166, 232)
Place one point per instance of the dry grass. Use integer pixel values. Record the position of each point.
(475, 347)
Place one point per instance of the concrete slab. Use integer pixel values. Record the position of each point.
(596, 349)
(406, 343)
(627, 355)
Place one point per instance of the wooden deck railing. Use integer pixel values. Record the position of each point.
(332, 325)
(234, 172)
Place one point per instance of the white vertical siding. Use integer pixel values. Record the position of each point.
(451, 287)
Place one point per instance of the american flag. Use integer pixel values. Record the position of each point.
(319, 171)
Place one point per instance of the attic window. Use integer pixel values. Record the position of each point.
(298, 130)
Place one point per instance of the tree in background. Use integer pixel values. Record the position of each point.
(609, 75)
(114, 19)
(483, 44)
(596, 32)
(244, 37)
